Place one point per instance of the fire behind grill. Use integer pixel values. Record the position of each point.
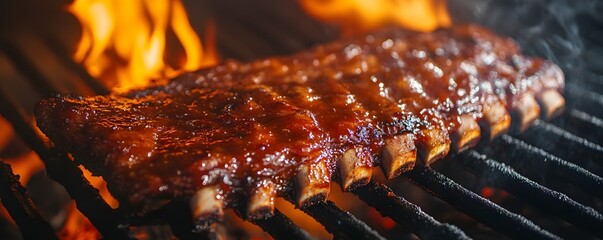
(553, 172)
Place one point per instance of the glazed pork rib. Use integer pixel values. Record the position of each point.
(247, 132)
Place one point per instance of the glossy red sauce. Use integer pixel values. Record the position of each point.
(239, 123)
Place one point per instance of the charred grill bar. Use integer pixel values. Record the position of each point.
(402, 211)
(63, 170)
(524, 156)
(341, 224)
(15, 198)
(476, 206)
(575, 162)
(503, 176)
(582, 123)
(37, 79)
(280, 226)
(569, 146)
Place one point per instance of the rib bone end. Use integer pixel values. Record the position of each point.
(399, 155)
(551, 103)
(434, 145)
(261, 203)
(355, 168)
(314, 182)
(496, 120)
(207, 205)
(467, 135)
(527, 112)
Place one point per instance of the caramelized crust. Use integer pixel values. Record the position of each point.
(238, 125)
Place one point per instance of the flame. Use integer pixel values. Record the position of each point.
(100, 184)
(6, 133)
(77, 225)
(124, 42)
(362, 15)
(25, 166)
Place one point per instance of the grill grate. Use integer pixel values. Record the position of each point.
(524, 156)
(37, 79)
(582, 124)
(476, 206)
(530, 166)
(389, 204)
(60, 168)
(564, 144)
(503, 176)
(280, 226)
(17, 201)
(344, 225)
(341, 224)
(583, 99)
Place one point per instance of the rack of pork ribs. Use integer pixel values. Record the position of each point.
(249, 132)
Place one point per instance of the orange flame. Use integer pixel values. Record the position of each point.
(6, 133)
(25, 166)
(77, 225)
(124, 42)
(355, 16)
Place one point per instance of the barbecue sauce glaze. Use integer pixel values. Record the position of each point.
(237, 124)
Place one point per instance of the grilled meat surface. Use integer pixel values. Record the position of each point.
(257, 126)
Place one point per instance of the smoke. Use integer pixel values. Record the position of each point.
(567, 32)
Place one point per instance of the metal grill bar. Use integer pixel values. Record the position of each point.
(280, 226)
(60, 168)
(268, 26)
(178, 215)
(588, 80)
(341, 224)
(586, 118)
(503, 176)
(404, 212)
(573, 88)
(584, 99)
(582, 124)
(285, 15)
(179, 228)
(280, 40)
(61, 53)
(565, 145)
(181, 232)
(476, 206)
(512, 149)
(38, 81)
(15, 198)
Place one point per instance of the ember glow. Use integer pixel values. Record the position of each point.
(77, 226)
(124, 42)
(354, 16)
(6, 133)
